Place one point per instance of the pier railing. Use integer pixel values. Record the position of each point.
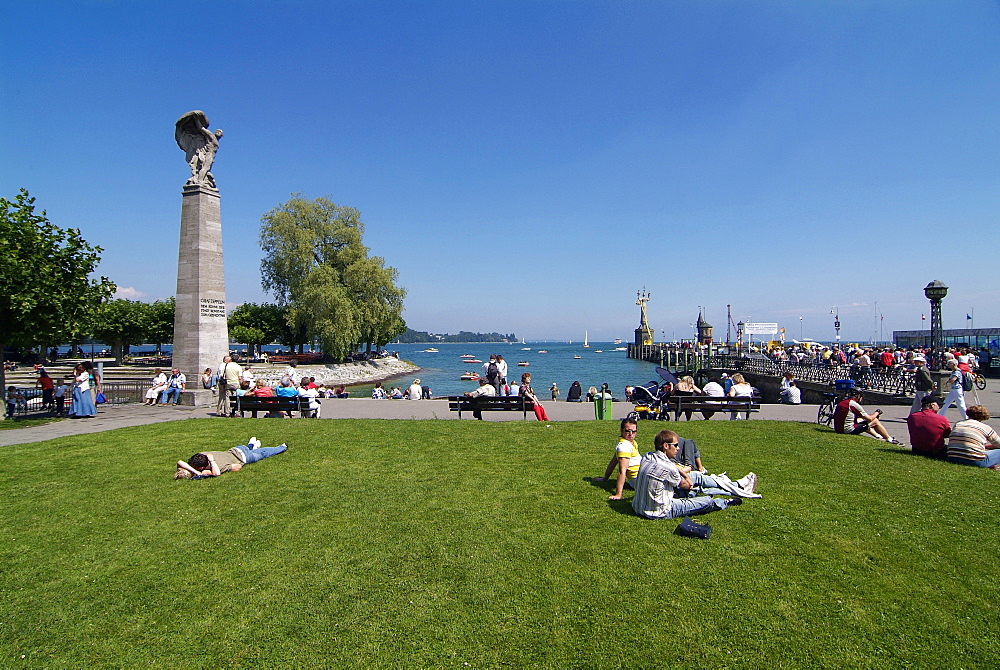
(696, 361)
(893, 381)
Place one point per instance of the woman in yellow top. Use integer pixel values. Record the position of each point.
(626, 459)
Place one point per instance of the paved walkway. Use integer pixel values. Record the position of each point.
(122, 416)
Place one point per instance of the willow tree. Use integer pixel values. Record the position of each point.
(316, 264)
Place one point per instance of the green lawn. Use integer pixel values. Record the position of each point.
(479, 544)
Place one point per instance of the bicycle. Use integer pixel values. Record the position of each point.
(824, 415)
(979, 381)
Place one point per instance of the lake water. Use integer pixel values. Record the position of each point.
(442, 370)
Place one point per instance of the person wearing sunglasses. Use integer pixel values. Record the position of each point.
(626, 458)
(662, 484)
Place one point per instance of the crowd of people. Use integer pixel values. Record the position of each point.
(723, 386)
(970, 441)
(861, 362)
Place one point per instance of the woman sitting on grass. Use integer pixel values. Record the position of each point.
(215, 463)
(973, 442)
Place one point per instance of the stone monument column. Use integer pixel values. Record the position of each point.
(201, 332)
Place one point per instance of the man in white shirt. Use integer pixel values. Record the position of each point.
(485, 390)
(414, 392)
(712, 389)
(176, 384)
(791, 394)
(247, 377)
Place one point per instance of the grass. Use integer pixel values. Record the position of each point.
(11, 424)
(446, 543)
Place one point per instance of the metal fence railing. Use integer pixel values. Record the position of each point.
(894, 381)
(125, 392)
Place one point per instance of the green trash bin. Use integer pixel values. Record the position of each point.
(602, 407)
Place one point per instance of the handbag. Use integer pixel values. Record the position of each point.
(691, 528)
(101, 399)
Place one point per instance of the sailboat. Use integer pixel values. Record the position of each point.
(586, 337)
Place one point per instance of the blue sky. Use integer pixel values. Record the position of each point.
(528, 166)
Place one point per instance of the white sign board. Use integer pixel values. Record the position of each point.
(760, 328)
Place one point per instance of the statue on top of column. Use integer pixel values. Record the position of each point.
(199, 145)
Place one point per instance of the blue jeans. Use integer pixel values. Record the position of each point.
(700, 505)
(174, 391)
(992, 458)
(706, 485)
(259, 454)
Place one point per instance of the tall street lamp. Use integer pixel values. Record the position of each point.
(935, 292)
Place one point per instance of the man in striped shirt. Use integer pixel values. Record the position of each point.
(973, 442)
(659, 476)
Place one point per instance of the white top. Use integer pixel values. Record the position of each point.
(714, 389)
(414, 392)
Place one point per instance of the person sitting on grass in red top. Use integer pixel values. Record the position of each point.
(863, 422)
(928, 429)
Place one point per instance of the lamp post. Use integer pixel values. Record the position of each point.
(836, 321)
(935, 292)
(739, 338)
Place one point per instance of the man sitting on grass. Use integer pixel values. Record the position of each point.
(928, 429)
(863, 422)
(661, 480)
(626, 458)
(215, 463)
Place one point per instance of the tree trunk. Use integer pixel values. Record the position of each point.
(118, 351)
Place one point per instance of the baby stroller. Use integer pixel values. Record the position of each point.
(648, 402)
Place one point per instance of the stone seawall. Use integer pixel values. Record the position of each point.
(362, 372)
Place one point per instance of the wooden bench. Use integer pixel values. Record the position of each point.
(463, 403)
(701, 403)
(254, 404)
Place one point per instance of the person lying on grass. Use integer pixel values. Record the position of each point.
(863, 422)
(662, 484)
(215, 463)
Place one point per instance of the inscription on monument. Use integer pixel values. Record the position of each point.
(211, 307)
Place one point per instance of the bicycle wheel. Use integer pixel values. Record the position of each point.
(981, 382)
(824, 416)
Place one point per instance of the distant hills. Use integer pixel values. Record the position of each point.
(421, 337)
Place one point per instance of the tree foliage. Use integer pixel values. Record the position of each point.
(256, 325)
(46, 292)
(122, 323)
(160, 327)
(316, 264)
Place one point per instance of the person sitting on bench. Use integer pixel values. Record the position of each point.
(486, 389)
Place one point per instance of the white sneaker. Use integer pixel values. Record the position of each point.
(282, 445)
(253, 443)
